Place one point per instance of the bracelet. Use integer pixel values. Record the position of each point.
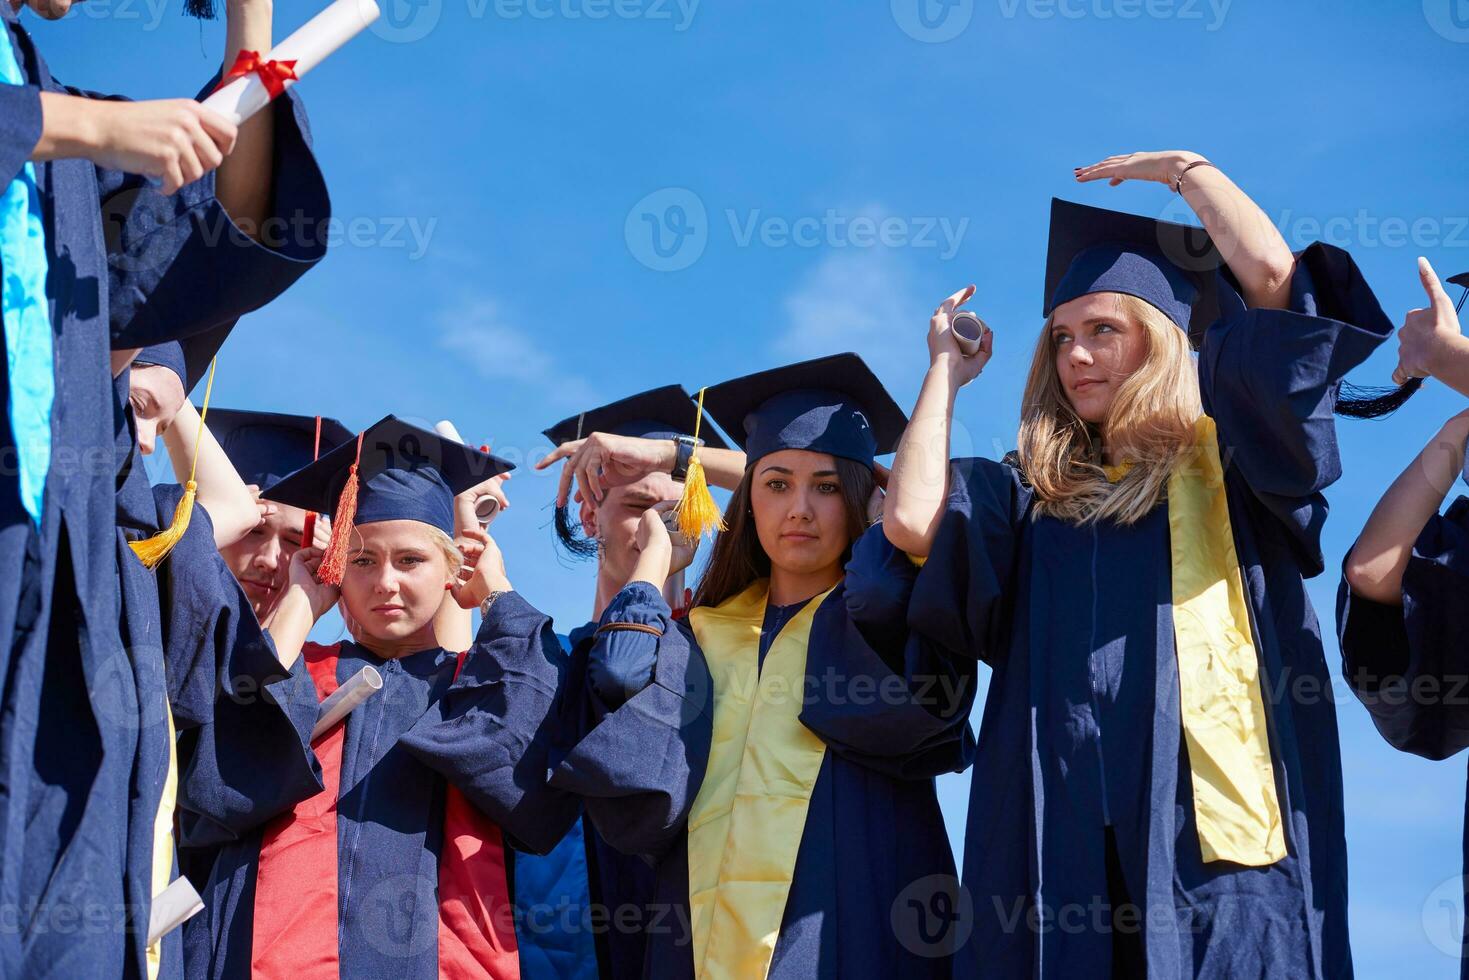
(628, 628)
(1178, 181)
(490, 600)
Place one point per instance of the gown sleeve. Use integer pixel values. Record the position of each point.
(20, 125)
(1409, 664)
(637, 761)
(1269, 379)
(244, 720)
(961, 596)
(897, 707)
(178, 265)
(491, 734)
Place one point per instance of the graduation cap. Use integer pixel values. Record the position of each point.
(392, 471)
(188, 358)
(266, 446)
(662, 413)
(830, 405)
(1170, 266)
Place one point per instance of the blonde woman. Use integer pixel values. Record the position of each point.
(1158, 785)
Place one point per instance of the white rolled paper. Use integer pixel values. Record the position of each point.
(363, 685)
(172, 907)
(969, 331)
(308, 47)
(486, 508)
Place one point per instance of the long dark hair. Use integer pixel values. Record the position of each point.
(738, 559)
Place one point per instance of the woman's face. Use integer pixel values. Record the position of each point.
(615, 521)
(156, 394)
(261, 558)
(800, 515)
(1097, 348)
(394, 580)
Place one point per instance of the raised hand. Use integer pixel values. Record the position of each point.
(301, 574)
(1161, 167)
(684, 549)
(943, 346)
(655, 549)
(483, 572)
(1430, 337)
(601, 461)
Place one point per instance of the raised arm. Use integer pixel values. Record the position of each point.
(918, 484)
(1251, 246)
(245, 182)
(232, 507)
(454, 623)
(1375, 566)
(603, 460)
(1430, 343)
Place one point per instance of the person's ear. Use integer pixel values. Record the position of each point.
(588, 518)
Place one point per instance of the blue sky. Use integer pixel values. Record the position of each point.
(819, 176)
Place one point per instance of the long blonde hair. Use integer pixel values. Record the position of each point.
(1150, 423)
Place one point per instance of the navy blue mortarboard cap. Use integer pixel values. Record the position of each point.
(662, 413)
(1171, 266)
(406, 473)
(830, 405)
(188, 358)
(267, 446)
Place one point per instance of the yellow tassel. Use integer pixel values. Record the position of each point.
(151, 551)
(697, 513)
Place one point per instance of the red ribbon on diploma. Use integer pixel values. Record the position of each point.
(273, 74)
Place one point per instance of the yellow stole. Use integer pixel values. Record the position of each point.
(746, 823)
(163, 836)
(1220, 702)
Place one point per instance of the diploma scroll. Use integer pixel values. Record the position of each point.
(969, 331)
(172, 907)
(308, 47)
(363, 685)
(486, 508)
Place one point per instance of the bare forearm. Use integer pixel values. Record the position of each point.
(243, 184)
(1252, 246)
(652, 567)
(232, 509)
(289, 624)
(723, 468)
(71, 127)
(1375, 567)
(918, 485)
(1451, 365)
(453, 626)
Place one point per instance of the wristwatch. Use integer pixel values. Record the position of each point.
(490, 600)
(684, 447)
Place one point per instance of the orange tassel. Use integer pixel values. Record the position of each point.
(697, 513)
(334, 562)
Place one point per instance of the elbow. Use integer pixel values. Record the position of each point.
(1368, 579)
(904, 534)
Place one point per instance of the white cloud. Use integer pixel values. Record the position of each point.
(498, 350)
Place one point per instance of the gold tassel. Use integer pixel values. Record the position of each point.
(152, 551)
(697, 513)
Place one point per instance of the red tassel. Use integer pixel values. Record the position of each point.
(334, 562)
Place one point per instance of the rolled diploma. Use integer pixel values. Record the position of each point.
(308, 47)
(486, 507)
(969, 331)
(363, 685)
(172, 907)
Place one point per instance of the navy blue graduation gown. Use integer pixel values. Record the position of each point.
(192, 640)
(1081, 733)
(484, 731)
(873, 827)
(128, 267)
(1409, 664)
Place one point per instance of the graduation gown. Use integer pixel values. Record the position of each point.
(873, 826)
(128, 267)
(199, 662)
(1409, 664)
(1081, 759)
(394, 868)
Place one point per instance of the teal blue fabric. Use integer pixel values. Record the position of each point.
(27, 320)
